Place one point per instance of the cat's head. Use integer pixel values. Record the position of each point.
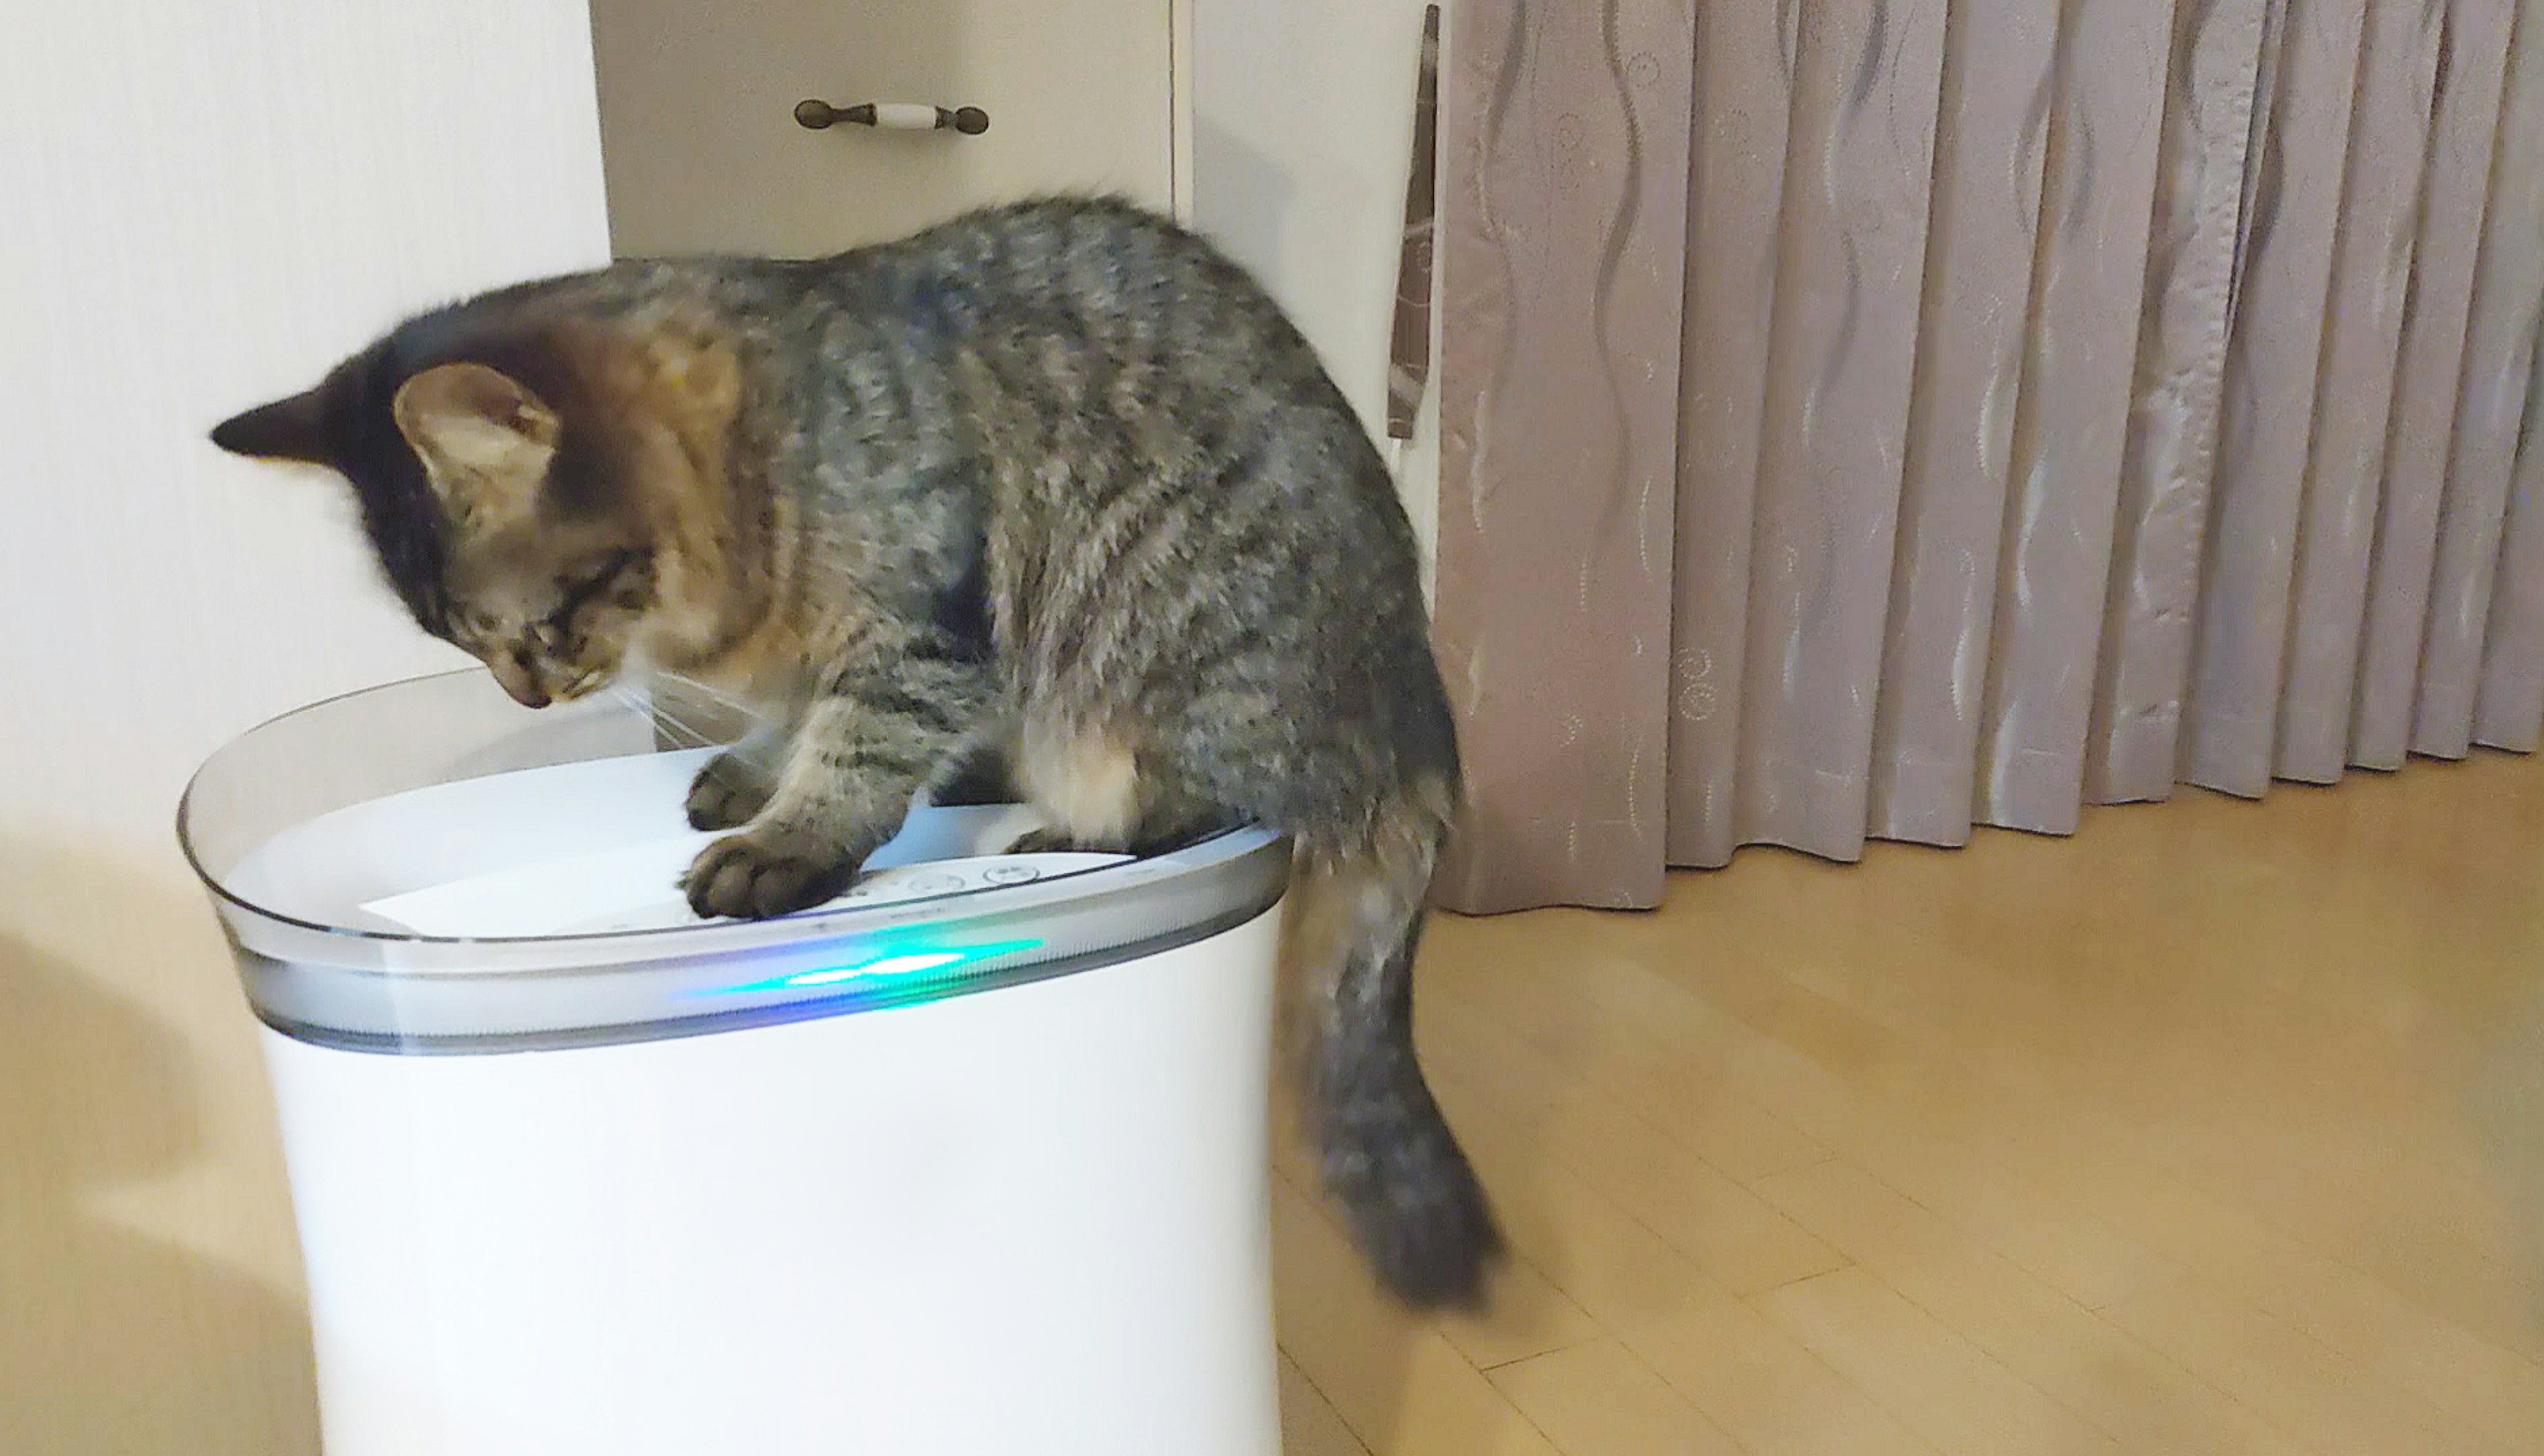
(506, 525)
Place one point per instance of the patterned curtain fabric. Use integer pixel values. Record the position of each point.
(1873, 418)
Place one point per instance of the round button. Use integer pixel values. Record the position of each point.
(1010, 874)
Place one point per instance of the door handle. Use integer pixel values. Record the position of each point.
(893, 116)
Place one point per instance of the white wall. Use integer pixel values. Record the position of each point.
(205, 203)
(1301, 139)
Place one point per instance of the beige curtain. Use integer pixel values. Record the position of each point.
(1873, 418)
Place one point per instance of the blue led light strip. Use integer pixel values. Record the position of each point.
(898, 964)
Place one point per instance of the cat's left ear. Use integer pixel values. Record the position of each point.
(291, 428)
(485, 439)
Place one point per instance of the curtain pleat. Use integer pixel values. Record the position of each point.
(2455, 196)
(2498, 354)
(2508, 708)
(1743, 78)
(2509, 283)
(1999, 68)
(2273, 363)
(2196, 234)
(1563, 254)
(1873, 418)
(1849, 277)
(2072, 425)
(2389, 135)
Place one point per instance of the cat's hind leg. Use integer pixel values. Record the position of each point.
(1085, 782)
(979, 776)
(1095, 791)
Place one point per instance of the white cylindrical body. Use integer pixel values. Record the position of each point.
(968, 1162)
(1027, 1220)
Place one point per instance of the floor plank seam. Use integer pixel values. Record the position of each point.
(1568, 1347)
(1309, 1381)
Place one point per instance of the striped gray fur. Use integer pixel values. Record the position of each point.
(1051, 496)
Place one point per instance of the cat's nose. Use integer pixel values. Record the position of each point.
(520, 680)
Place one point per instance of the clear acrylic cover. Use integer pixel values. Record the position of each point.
(429, 867)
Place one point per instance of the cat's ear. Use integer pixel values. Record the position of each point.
(291, 428)
(485, 439)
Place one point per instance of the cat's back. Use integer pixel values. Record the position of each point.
(1099, 271)
(1097, 251)
(1100, 263)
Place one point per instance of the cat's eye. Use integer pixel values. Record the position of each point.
(592, 582)
(582, 588)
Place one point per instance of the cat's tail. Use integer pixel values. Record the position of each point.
(1386, 1154)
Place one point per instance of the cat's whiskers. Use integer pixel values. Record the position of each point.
(742, 714)
(678, 729)
(709, 691)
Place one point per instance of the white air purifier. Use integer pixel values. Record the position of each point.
(970, 1161)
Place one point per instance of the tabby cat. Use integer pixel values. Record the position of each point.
(1052, 494)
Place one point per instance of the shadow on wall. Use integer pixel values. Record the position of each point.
(1241, 198)
(112, 1340)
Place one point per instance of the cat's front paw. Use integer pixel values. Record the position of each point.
(765, 872)
(1043, 840)
(727, 793)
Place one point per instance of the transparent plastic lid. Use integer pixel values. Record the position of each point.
(431, 867)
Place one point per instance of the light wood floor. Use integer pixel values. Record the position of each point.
(2218, 1128)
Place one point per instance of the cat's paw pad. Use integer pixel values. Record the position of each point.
(763, 874)
(727, 793)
